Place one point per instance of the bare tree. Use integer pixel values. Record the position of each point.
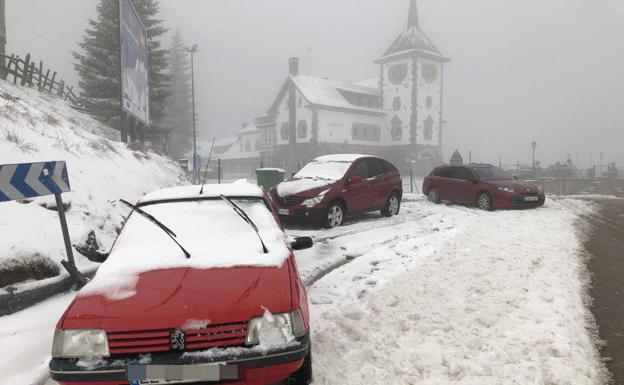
(3, 37)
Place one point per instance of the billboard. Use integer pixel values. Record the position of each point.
(134, 63)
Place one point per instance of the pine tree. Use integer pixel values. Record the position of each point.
(179, 111)
(98, 64)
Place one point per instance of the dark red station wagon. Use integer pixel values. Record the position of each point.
(483, 185)
(333, 187)
(199, 288)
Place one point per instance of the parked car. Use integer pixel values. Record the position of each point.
(198, 288)
(483, 185)
(332, 187)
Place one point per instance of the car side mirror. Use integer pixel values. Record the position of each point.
(302, 243)
(473, 180)
(515, 177)
(355, 179)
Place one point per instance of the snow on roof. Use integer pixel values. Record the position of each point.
(240, 188)
(327, 92)
(413, 39)
(249, 129)
(340, 158)
(369, 83)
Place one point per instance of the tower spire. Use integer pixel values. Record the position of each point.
(413, 16)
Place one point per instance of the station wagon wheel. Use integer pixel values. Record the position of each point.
(485, 202)
(433, 195)
(333, 216)
(392, 206)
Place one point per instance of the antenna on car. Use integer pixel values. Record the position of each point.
(201, 192)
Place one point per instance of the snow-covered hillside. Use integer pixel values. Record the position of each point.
(36, 127)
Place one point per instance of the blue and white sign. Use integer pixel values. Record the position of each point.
(29, 180)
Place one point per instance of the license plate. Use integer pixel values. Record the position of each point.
(531, 199)
(283, 212)
(168, 374)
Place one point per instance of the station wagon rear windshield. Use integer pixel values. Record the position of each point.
(491, 173)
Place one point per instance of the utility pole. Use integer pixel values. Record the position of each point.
(192, 50)
(534, 146)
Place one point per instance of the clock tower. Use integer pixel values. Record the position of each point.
(412, 72)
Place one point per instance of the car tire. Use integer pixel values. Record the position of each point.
(303, 376)
(484, 201)
(434, 196)
(393, 206)
(334, 216)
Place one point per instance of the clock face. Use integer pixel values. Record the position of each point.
(397, 73)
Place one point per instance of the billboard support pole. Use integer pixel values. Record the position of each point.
(122, 123)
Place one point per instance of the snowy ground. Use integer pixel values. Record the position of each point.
(438, 295)
(38, 127)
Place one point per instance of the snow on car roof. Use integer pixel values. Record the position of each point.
(340, 158)
(240, 188)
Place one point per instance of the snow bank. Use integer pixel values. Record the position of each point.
(37, 127)
(204, 228)
(500, 300)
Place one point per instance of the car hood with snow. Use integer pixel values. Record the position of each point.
(319, 175)
(174, 298)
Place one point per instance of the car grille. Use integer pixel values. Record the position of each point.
(149, 341)
(291, 200)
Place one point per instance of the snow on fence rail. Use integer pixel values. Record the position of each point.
(27, 73)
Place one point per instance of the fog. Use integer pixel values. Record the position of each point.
(520, 71)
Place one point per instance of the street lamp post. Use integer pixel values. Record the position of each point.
(534, 146)
(192, 50)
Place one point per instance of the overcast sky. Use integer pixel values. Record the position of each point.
(521, 70)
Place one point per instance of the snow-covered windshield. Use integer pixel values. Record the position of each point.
(214, 234)
(492, 173)
(324, 170)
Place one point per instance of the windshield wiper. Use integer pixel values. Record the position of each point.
(246, 218)
(155, 221)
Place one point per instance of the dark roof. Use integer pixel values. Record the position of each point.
(413, 38)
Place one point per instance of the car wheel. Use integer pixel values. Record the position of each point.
(333, 216)
(392, 206)
(303, 376)
(433, 195)
(484, 202)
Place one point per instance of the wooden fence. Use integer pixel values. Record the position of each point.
(26, 72)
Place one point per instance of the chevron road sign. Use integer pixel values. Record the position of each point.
(29, 180)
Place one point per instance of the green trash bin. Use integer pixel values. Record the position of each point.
(270, 177)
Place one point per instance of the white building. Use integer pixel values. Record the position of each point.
(398, 116)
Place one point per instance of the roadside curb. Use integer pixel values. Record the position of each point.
(13, 300)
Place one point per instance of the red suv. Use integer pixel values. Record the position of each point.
(334, 186)
(483, 185)
(198, 288)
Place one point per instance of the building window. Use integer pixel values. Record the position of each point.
(430, 72)
(397, 129)
(396, 104)
(429, 102)
(302, 129)
(428, 128)
(364, 131)
(284, 131)
(247, 146)
(397, 73)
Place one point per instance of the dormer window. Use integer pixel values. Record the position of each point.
(284, 131)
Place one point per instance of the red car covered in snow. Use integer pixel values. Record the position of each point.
(483, 185)
(331, 187)
(198, 288)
